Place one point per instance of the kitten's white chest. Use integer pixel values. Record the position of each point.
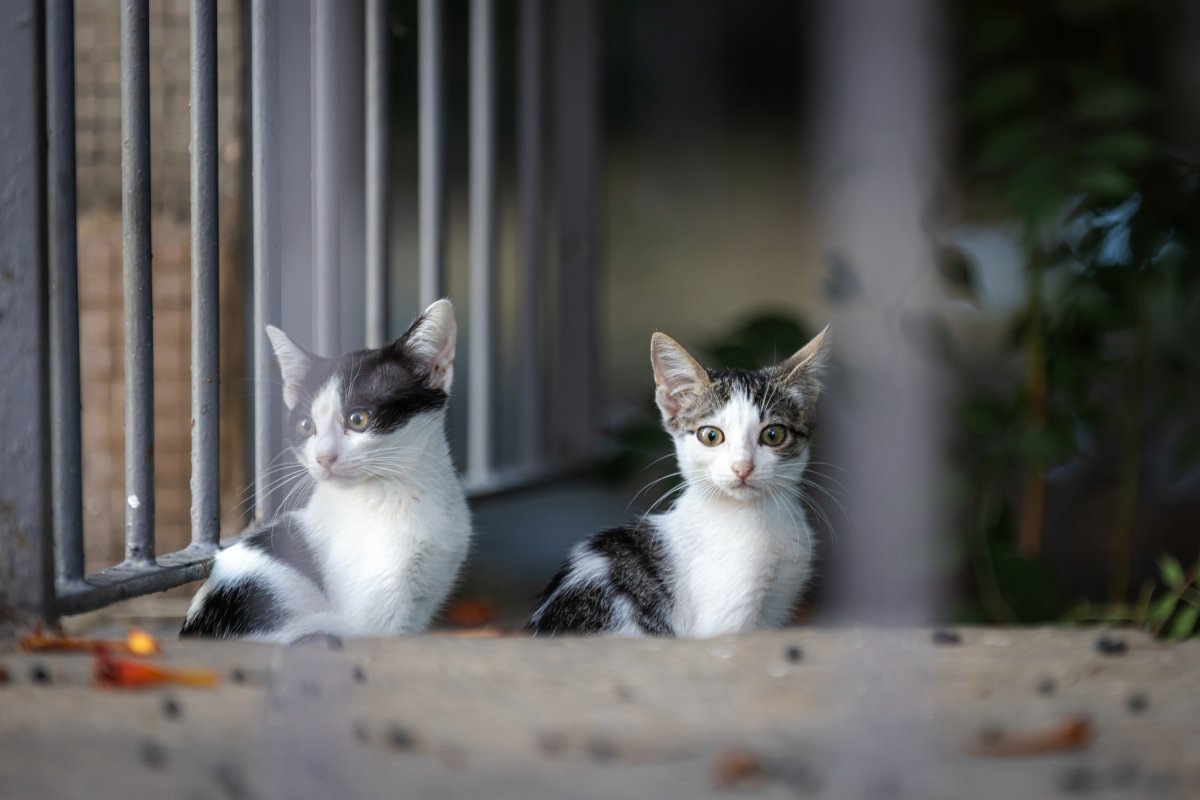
(390, 557)
(736, 568)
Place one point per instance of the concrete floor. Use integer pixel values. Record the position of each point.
(798, 713)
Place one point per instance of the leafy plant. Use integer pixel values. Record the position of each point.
(1168, 608)
(1066, 137)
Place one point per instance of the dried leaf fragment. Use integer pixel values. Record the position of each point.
(123, 673)
(1073, 733)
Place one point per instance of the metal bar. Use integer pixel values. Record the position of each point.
(432, 178)
(206, 462)
(576, 174)
(66, 432)
(377, 35)
(107, 586)
(483, 239)
(529, 194)
(139, 312)
(327, 18)
(26, 543)
(264, 84)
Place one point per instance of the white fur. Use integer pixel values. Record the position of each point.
(387, 521)
(740, 555)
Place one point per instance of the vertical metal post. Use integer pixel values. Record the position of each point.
(26, 543)
(483, 238)
(529, 199)
(139, 312)
(264, 114)
(327, 18)
(377, 36)
(206, 464)
(65, 429)
(432, 178)
(576, 143)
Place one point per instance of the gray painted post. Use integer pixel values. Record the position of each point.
(264, 118)
(481, 332)
(206, 457)
(529, 200)
(328, 39)
(66, 428)
(26, 543)
(376, 90)
(576, 173)
(136, 273)
(432, 177)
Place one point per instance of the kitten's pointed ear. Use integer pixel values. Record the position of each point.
(678, 378)
(294, 364)
(807, 365)
(430, 341)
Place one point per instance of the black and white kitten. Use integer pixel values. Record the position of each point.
(735, 551)
(379, 544)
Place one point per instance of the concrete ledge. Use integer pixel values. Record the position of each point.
(806, 712)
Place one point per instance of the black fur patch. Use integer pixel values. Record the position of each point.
(283, 543)
(232, 611)
(636, 566)
(584, 608)
(387, 382)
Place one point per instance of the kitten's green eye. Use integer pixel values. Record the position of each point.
(305, 427)
(773, 435)
(358, 420)
(710, 436)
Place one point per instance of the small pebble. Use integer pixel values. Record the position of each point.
(1125, 773)
(230, 779)
(551, 744)
(793, 654)
(1077, 780)
(1137, 702)
(153, 754)
(1111, 646)
(171, 708)
(1161, 783)
(399, 738)
(601, 750)
(39, 674)
(237, 675)
(1047, 686)
(623, 693)
(359, 674)
(944, 637)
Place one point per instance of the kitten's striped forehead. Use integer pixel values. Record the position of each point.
(776, 400)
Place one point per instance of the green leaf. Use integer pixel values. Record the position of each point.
(1171, 571)
(1009, 146)
(1185, 624)
(1161, 611)
(1001, 92)
(1112, 101)
(1125, 147)
(1106, 182)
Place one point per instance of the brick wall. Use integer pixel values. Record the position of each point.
(97, 32)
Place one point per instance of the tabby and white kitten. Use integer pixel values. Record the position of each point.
(735, 551)
(379, 544)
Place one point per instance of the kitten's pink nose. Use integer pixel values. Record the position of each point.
(743, 469)
(327, 460)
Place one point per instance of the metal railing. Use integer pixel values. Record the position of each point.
(43, 425)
